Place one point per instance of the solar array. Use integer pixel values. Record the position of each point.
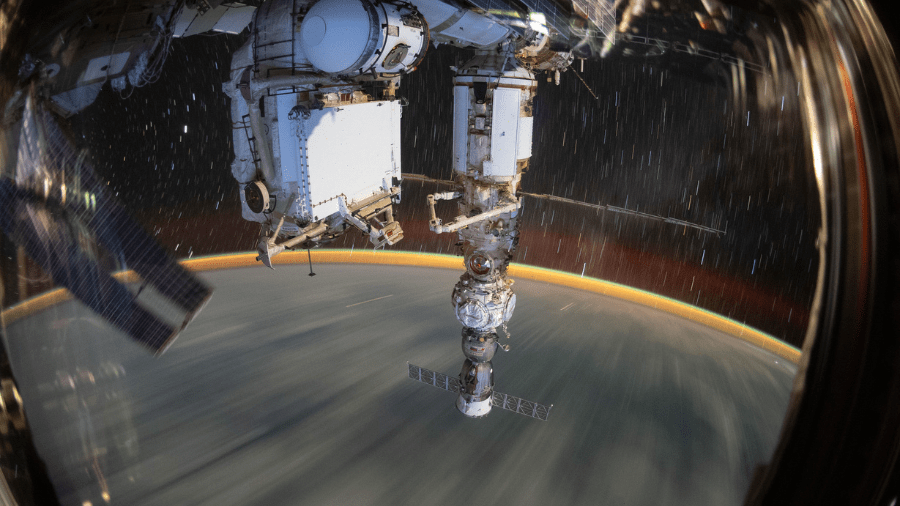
(66, 220)
(435, 379)
(521, 406)
(500, 400)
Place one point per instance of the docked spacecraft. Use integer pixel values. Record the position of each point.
(316, 134)
(316, 119)
(316, 129)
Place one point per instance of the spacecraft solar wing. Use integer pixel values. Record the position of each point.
(48, 155)
(602, 13)
(40, 226)
(432, 378)
(64, 217)
(521, 406)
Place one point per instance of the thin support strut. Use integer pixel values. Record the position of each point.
(585, 83)
(598, 207)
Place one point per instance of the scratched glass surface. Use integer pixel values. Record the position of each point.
(683, 137)
(678, 164)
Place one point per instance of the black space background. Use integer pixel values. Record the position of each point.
(657, 141)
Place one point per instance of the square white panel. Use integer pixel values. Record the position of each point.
(526, 126)
(350, 150)
(235, 20)
(460, 128)
(232, 18)
(104, 66)
(504, 133)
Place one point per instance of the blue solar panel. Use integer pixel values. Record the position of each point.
(63, 229)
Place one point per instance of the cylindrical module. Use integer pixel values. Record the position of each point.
(492, 124)
(492, 128)
(355, 37)
(475, 389)
(484, 305)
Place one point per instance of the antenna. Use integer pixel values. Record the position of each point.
(584, 83)
(309, 255)
(622, 210)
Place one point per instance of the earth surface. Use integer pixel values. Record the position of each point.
(291, 389)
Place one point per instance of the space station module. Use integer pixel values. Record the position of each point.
(316, 117)
(316, 126)
(316, 120)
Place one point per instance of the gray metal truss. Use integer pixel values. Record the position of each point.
(500, 400)
(432, 378)
(521, 406)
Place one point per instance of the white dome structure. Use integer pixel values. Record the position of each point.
(337, 34)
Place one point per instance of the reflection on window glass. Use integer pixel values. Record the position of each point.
(621, 208)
